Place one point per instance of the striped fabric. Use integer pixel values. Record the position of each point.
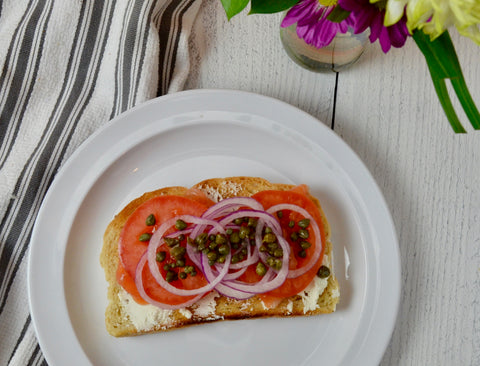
(66, 68)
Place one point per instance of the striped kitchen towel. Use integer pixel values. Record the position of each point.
(66, 68)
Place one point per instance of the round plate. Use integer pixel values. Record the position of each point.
(181, 139)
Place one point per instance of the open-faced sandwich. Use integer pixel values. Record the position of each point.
(227, 248)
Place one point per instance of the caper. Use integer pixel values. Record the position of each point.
(261, 269)
(193, 273)
(235, 238)
(201, 247)
(268, 229)
(180, 263)
(243, 233)
(212, 245)
(229, 231)
(278, 253)
(224, 249)
(252, 222)
(201, 239)
(303, 233)
(178, 252)
(323, 272)
(182, 275)
(161, 256)
(211, 237)
(212, 256)
(180, 224)
(211, 262)
(235, 258)
(291, 223)
(294, 236)
(190, 241)
(189, 269)
(238, 221)
(150, 221)
(270, 261)
(220, 239)
(263, 248)
(269, 238)
(305, 244)
(302, 253)
(166, 267)
(277, 264)
(171, 276)
(304, 223)
(181, 237)
(145, 237)
(171, 242)
(280, 214)
(221, 259)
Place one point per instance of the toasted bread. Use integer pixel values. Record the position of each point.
(124, 317)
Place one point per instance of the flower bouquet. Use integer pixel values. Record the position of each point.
(390, 22)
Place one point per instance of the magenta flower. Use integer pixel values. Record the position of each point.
(366, 14)
(312, 23)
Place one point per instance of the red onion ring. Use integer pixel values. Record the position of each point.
(318, 241)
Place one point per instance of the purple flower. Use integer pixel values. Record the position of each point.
(312, 23)
(366, 14)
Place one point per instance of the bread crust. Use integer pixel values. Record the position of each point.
(117, 319)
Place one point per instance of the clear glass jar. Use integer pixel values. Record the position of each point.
(344, 51)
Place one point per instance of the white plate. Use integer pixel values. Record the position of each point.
(181, 139)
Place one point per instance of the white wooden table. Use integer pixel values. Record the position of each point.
(386, 109)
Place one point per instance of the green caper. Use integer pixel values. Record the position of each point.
(303, 233)
(189, 269)
(302, 253)
(171, 276)
(211, 237)
(270, 261)
(180, 224)
(223, 249)
(210, 262)
(180, 263)
(181, 237)
(221, 259)
(178, 252)
(235, 237)
(145, 237)
(280, 214)
(268, 229)
(220, 239)
(193, 273)
(263, 248)
(150, 221)
(161, 256)
(252, 222)
(304, 223)
(182, 275)
(294, 236)
(201, 239)
(261, 269)
(166, 267)
(191, 242)
(212, 245)
(243, 233)
(323, 272)
(171, 242)
(278, 253)
(269, 238)
(201, 247)
(229, 231)
(235, 258)
(291, 223)
(305, 244)
(212, 256)
(238, 221)
(277, 264)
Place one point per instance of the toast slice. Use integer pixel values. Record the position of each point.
(125, 317)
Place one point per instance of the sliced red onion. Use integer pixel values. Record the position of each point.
(144, 295)
(156, 240)
(229, 205)
(318, 239)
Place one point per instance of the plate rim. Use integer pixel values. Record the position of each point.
(334, 140)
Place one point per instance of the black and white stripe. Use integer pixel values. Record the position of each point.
(110, 40)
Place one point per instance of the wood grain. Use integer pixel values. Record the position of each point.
(387, 111)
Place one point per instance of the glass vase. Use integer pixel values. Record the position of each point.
(341, 53)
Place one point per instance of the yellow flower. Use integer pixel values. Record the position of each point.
(436, 16)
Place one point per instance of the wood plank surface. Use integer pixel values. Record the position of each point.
(387, 111)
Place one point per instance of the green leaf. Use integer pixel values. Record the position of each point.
(233, 7)
(271, 6)
(443, 64)
(338, 14)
